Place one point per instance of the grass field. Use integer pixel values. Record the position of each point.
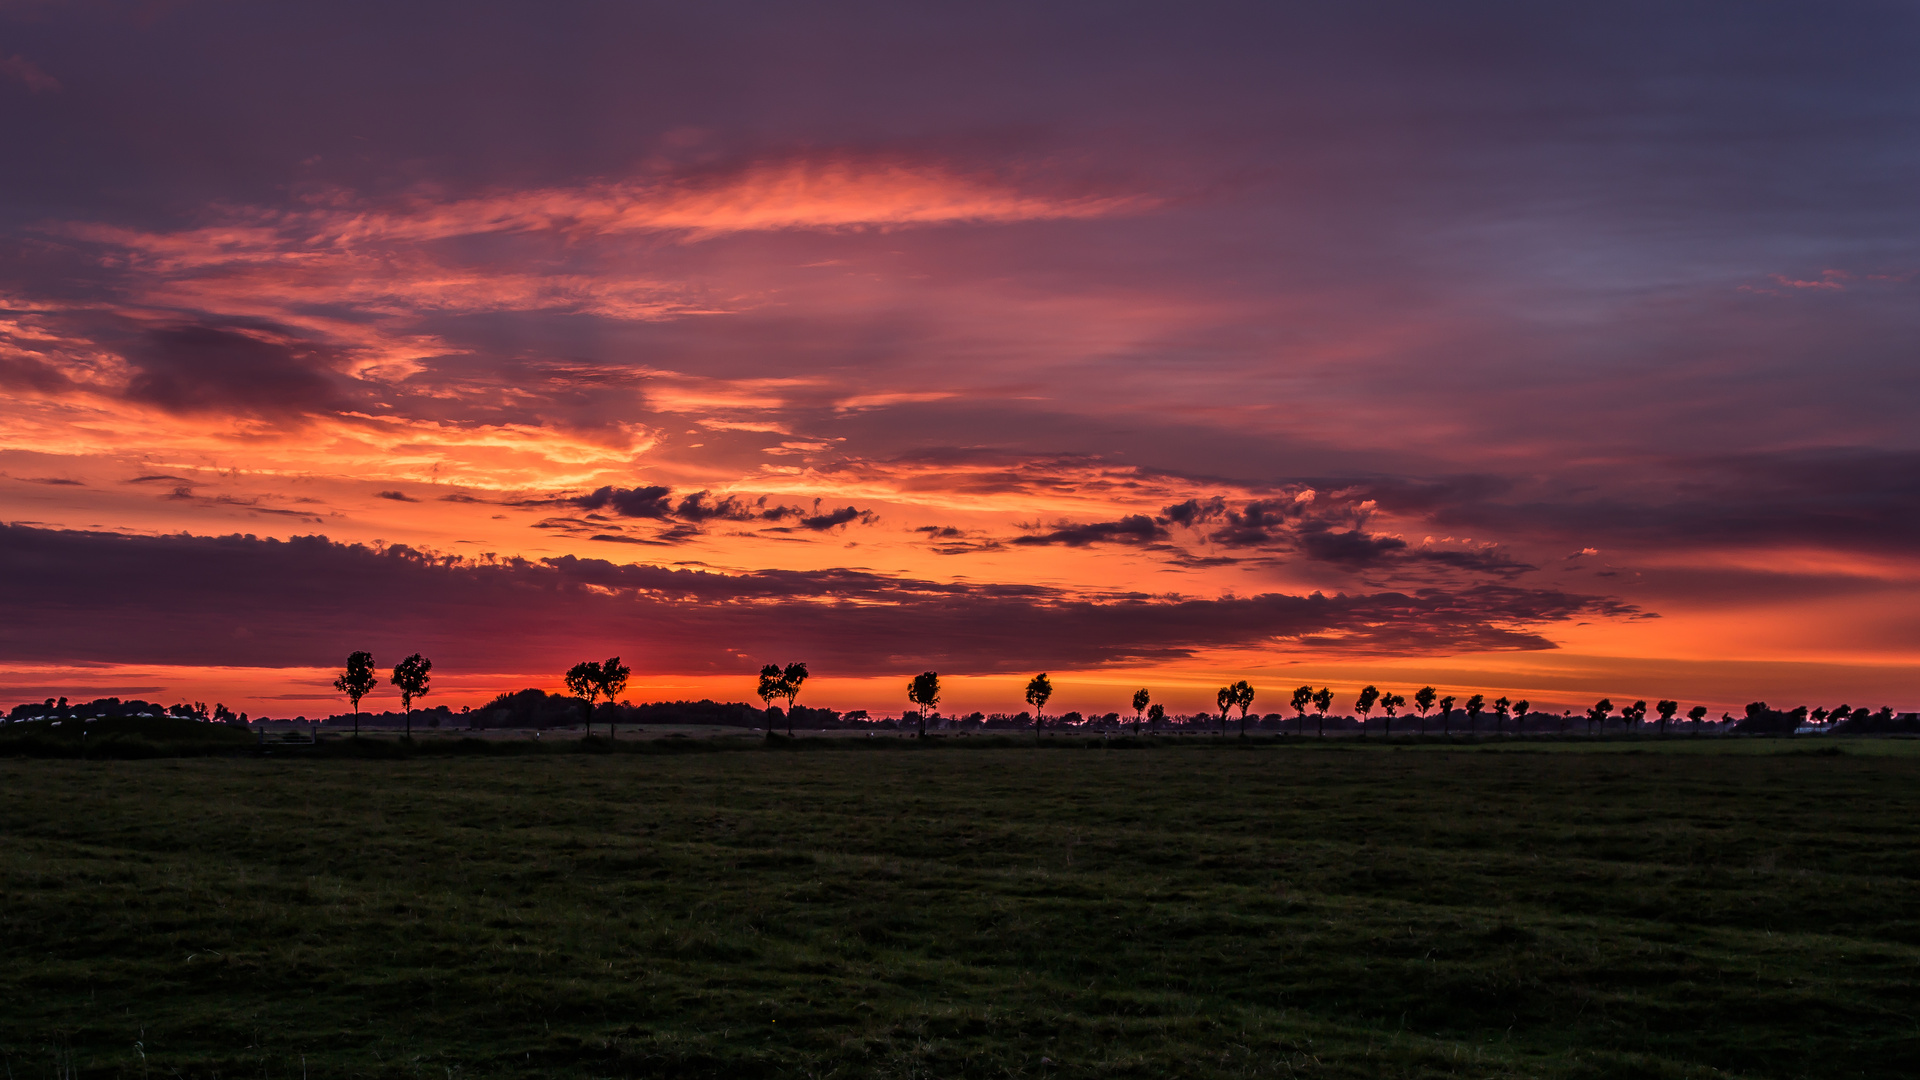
(1193, 908)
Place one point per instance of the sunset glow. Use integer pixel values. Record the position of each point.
(1258, 350)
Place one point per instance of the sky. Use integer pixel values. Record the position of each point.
(1550, 350)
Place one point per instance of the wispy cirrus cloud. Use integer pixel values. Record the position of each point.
(336, 237)
(830, 192)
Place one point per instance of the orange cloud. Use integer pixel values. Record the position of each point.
(834, 193)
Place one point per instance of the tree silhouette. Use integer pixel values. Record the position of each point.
(1633, 715)
(1243, 700)
(583, 681)
(791, 679)
(924, 691)
(1155, 713)
(1322, 701)
(1302, 697)
(1446, 716)
(778, 682)
(1039, 689)
(1697, 714)
(769, 688)
(412, 676)
(1225, 699)
(357, 682)
(1500, 707)
(1140, 699)
(1598, 714)
(1666, 709)
(1423, 700)
(1364, 705)
(1390, 704)
(611, 683)
(1473, 707)
(1520, 716)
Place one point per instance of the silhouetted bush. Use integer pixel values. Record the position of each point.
(1883, 722)
(121, 737)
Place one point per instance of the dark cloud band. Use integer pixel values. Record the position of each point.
(239, 600)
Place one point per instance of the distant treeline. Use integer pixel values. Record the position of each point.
(537, 709)
(112, 708)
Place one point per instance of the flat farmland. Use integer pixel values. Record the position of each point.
(1143, 908)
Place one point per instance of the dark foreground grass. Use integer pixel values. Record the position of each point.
(1211, 910)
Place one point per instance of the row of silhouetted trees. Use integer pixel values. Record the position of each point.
(924, 692)
(412, 677)
(594, 680)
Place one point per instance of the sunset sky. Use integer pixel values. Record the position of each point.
(1560, 350)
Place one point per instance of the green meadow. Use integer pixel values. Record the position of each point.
(1142, 908)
